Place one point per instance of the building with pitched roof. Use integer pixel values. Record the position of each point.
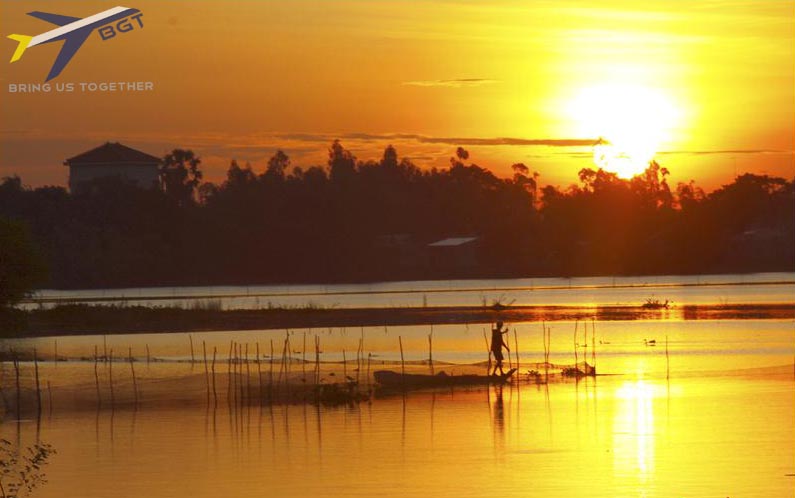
(112, 160)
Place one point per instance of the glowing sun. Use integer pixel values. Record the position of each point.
(632, 122)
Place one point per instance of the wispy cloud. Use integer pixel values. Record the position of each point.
(730, 151)
(456, 83)
(455, 141)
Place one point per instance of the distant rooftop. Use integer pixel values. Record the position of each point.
(112, 153)
(453, 242)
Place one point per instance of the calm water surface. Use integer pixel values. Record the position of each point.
(619, 436)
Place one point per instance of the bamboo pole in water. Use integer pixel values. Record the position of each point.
(283, 363)
(259, 373)
(38, 388)
(206, 370)
(229, 373)
(132, 370)
(105, 348)
(488, 351)
(593, 344)
(317, 359)
(667, 360)
(215, 394)
(248, 374)
(510, 357)
(402, 361)
(516, 348)
(547, 340)
(369, 356)
(270, 374)
(235, 371)
(15, 359)
(240, 381)
(430, 350)
(344, 365)
(359, 359)
(192, 358)
(96, 375)
(109, 359)
(147, 355)
(576, 359)
(361, 348)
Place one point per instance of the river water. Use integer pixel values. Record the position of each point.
(708, 410)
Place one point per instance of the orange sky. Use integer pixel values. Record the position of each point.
(708, 86)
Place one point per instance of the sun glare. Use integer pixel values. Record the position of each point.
(633, 122)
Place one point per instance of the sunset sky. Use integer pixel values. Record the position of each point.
(706, 87)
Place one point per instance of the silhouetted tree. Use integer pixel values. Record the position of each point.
(341, 163)
(21, 268)
(277, 166)
(366, 220)
(180, 175)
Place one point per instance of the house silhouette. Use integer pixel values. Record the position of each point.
(112, 160)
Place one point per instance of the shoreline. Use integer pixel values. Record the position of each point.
(91, 320)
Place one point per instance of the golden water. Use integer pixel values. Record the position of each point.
(619, 436)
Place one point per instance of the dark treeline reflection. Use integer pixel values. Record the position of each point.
(356, 220)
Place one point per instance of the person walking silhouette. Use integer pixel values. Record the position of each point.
(497, 343)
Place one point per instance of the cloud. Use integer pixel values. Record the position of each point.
(549, 142)
(730, 151)
(456, 83)
(424, 139)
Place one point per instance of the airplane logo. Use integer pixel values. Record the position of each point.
(74, 31)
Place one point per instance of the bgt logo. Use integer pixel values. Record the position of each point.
(74, 31)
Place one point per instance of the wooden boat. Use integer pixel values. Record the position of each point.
(395, 380)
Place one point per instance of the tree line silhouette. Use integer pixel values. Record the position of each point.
(354, 220)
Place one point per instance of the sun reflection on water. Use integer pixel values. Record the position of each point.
(633, 427)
